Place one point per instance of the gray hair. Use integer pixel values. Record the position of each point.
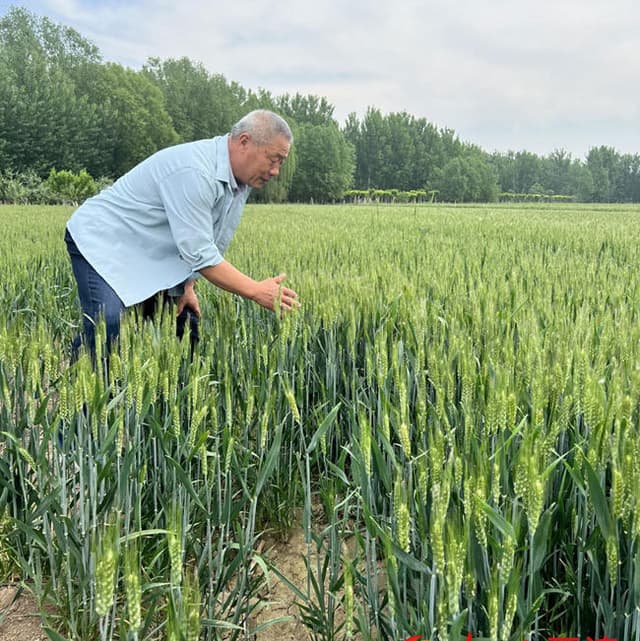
(263, 126)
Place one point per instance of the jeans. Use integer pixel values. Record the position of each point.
(97, 297)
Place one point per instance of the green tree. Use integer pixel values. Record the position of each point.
(505, 168)
(310, 109)
(556, 172)
(371, 148)
(468, 178)
(528, 170)
(453, 183)
(401, 148)
(134, 122)
(631, 177)
(430, 146)
(399, 151)
(538, 190)
(580, 182)
(605, 165)
(26, 39)
(201, 105)
(44, 121)
(325, 164)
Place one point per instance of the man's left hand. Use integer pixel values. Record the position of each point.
(189, 299)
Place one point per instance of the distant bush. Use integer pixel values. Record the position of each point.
(389, 196)
(23, 188)
(512, 197)
(71, 188)
(60, 188)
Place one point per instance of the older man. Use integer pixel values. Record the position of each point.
(170, 219)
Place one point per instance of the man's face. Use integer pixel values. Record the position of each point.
(258, 164)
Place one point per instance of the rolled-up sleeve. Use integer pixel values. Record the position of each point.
(191, 201)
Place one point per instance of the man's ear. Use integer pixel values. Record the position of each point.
(244, 139)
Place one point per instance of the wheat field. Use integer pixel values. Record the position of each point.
(451, 417)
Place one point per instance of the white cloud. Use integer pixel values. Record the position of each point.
(534, 74)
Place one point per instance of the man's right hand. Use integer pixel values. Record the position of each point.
(266, 293)
(270, 292)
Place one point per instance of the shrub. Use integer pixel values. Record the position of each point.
(71, 188)
(23, 188)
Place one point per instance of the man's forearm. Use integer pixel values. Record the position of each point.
(227, 277)
(269, 293)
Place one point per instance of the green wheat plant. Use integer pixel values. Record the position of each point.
(451, 417)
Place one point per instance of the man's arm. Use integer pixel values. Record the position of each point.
(264, 292)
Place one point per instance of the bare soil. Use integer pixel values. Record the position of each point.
(19, 618)
(279, 600)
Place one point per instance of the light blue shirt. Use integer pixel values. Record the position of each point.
(164, 220)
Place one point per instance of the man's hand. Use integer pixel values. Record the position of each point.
(189, 299)
(270, 292)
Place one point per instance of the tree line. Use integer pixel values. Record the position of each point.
(62, 107)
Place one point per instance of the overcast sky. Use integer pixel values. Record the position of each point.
(504, 74)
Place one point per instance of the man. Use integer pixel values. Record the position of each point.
(170, 219)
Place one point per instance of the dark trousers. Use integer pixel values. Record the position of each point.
(187, 317)
(97, 297)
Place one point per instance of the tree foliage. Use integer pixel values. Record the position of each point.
(200, 104)
(325, 164)
(467, 178)
(44, 122)
(311, 110)
(134, 121)
(62, 107)
(398, 150)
